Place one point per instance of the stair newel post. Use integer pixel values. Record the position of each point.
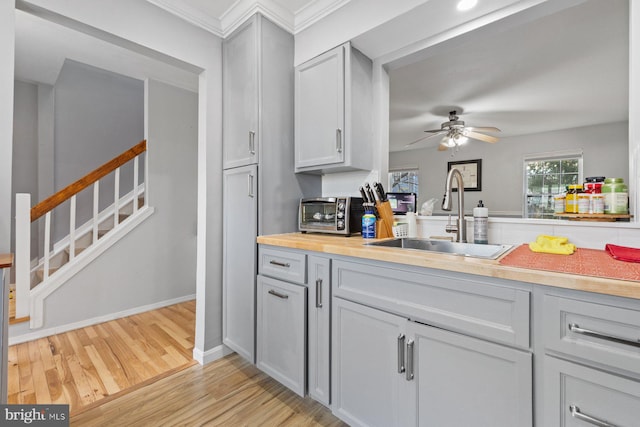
(23, 254)
(135, 183)
(96, 211)
(116, 198)
(72, 228)
(47, 244)
(146, 177)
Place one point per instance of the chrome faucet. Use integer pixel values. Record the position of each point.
(460, 227)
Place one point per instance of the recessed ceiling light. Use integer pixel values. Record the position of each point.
(466, 4)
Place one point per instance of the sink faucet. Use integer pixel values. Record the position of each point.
(460, 227)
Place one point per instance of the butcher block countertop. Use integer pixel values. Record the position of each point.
(355, 247)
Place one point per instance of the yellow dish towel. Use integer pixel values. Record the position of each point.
(552, 245)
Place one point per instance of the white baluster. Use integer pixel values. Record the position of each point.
(146, 176)
(96, 195)
(47, 243)
(23, 254)
(72, 228)
(116, 198)
(135, 184)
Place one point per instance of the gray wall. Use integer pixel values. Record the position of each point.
(156, 261)
(98, 115)
(25, 150)
(605, 150)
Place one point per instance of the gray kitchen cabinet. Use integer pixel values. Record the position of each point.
(239, 259)
(258, 92)
(577, 395)
(454, 380)
(366, 360)
(333, 112)
(319, 328)
(281, 332)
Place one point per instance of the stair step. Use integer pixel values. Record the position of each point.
(40, 273)
(12, 307)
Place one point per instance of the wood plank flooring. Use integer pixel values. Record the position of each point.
(88, 366)
(227, 392)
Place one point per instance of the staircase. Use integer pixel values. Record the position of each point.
(38, 278)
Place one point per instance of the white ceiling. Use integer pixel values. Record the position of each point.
(569, 69)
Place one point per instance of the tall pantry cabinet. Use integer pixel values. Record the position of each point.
(260, 189)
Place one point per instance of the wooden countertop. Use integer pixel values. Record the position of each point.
(6, 260)
(355, 247)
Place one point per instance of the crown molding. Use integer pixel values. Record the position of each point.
(241, 10)
(191, 15)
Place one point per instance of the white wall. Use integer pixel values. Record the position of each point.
(156, 262)
(25, 150)
(605, 149)
(98, 115)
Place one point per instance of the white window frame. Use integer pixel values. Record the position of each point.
(548, 156)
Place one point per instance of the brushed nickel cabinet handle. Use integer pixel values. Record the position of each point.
(401, 353)
(614, 338)
(409, 360)
(339, 140)
(575, 413)
(252, 142)
(278, 294)
(250, 185)
(280, 264)
(318, 293)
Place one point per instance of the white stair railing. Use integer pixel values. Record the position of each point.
(25, 215)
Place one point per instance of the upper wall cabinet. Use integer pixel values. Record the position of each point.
(240, 95)
(333, 112)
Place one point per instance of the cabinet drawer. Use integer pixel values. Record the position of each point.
(579, 396)
(599, 333)
(471, 307)
(283, 264)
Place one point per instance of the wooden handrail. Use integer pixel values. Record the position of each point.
(61, 196)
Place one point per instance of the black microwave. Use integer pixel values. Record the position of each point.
(335, 215)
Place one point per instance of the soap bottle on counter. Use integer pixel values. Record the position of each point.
(368, 222)
(480, 224)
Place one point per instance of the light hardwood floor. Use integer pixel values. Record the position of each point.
(227, 392)
(88, 366)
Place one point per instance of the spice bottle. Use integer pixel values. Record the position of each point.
(616, 196)
(571, 200)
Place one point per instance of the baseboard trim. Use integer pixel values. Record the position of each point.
(95, 320)
(211, 355)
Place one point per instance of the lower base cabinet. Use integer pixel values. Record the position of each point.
(389, 371)
(577, 395)
(281, 332)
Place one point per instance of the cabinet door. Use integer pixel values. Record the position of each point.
(240, 96)
(239, 259)
(319, 110)
(579, 396)
(319, 328)
(281, 332)
(365, 365)
(462, 381)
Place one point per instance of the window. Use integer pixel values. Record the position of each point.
(403, 181)
(546, 176)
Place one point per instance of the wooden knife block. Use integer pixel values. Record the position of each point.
(384, 225)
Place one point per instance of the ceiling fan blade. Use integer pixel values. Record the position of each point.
(481, 137)
(483, 129)
(435, 130)
(423, 138)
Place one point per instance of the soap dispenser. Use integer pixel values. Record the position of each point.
(480, 224)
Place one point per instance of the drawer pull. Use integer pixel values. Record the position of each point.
(400, 353)
(575, 413)
(278, 294)
(578, 330)
(280, 264)
(318, 293)
(409, 360)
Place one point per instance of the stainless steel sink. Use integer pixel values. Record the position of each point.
(445, 247)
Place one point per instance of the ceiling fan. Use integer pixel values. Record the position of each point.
(456, 133)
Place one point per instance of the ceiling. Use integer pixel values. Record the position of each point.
(565, 70)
